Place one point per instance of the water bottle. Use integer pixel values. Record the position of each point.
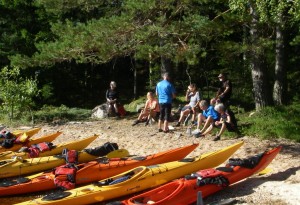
(189, 131)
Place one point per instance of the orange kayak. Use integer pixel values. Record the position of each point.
(93, 171)
(184, 191)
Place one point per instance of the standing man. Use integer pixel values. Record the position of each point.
(165, 92)
(224, 92)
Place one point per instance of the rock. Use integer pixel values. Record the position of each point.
(100, 111)
(139, 107)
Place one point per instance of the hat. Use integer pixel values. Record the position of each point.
(221, 75)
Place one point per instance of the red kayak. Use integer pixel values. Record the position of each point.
(93, 171)
(184, 191)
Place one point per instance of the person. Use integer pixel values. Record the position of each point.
(192, 95)
(112, 97)
(224, 92)
(166, 93)
(227, 121)
(150, 111)
(208, 116)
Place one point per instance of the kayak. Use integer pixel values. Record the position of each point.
(93, 171)
(45, 138)
(18, 166)
(184, 191)
(137, 179)
(18, 133)
(57, 149)
(29, 132)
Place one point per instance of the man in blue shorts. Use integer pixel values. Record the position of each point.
(165, 92)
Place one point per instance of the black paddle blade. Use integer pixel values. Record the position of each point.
(12, 182)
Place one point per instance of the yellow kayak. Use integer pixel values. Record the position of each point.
(57, 149)
(29, 134)
(137, 179)
(19, 166)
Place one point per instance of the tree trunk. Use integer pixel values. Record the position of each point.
(279, 88)
(135, 82)
(150, 72)
(165, 65)
(259, 75)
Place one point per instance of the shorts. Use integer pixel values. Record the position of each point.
(165, 111)
(230, 127)
(187, 107)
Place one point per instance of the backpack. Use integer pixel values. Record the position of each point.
(102, 150)
(121, 110)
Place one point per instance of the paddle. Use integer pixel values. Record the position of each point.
(119, 153)
(265, 171)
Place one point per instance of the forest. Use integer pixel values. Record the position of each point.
(66, 52)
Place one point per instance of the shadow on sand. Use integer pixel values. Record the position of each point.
(246, 187)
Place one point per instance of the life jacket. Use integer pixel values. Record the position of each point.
(35, 150)
(211, 176)
(65, 176)
(71, 156)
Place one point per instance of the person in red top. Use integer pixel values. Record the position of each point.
(150, 111)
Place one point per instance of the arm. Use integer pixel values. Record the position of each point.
(106, 95)
(227, 88)
(187, 95)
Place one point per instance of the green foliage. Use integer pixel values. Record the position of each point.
(62, 114)
(272, 122)
(16, 92)
(133, 105)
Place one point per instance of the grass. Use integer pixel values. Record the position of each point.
(269, 123)
(272, 122)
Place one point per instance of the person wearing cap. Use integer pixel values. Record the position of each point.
(165, 92)
(224, 92)
(192, 95)
(112, 96)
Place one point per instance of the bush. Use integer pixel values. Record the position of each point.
(63, 113)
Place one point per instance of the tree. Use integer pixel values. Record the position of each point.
(16, 92)
(273, 15)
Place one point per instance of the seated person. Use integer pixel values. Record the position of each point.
(150, 111)
(112, 97)
(193, 96)
(208, 116)
(227, 121)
